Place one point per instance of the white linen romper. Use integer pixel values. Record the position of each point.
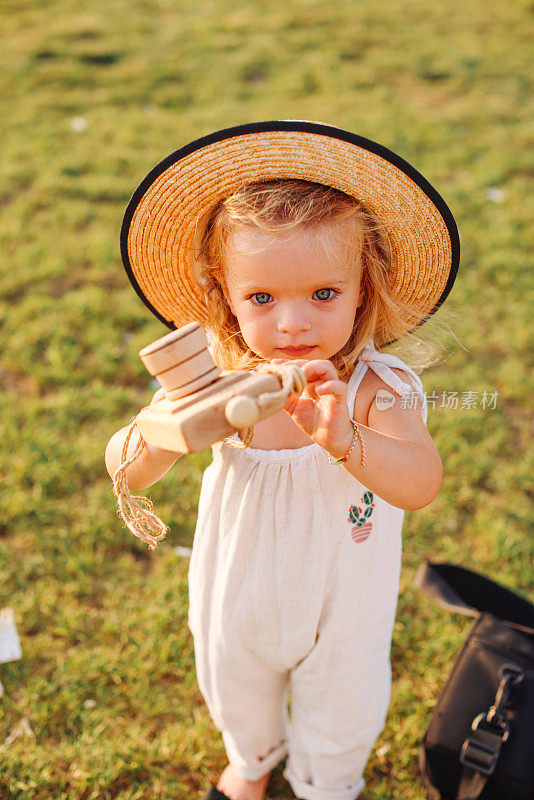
(293, 589)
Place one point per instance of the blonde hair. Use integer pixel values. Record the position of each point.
(279, 208)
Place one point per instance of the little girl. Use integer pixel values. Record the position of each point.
(298, 241)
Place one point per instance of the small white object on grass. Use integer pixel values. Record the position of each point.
(495, 195)
(183, 551)
(9, 638)
(78, 124)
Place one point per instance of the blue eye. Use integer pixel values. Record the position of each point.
(325, 294)
(261, 298)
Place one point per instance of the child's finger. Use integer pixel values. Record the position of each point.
(336, 388)
(159, 395)
(315, 370)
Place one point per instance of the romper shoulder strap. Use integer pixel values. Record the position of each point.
(381, 364)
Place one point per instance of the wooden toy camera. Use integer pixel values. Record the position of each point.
(202, 404)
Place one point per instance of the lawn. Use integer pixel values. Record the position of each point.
(93, 96)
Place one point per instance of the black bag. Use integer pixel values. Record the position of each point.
(480, 741)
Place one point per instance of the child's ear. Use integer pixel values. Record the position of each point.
(227, 298)
(221, 290)
(361, 297)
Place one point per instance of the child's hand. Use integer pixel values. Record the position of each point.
(321, 410)
(159, 395)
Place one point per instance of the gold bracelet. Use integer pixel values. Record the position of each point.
(357, 436)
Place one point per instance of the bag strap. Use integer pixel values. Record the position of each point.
(466, 592)
(490, 730)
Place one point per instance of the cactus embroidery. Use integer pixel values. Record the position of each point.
(360, 517)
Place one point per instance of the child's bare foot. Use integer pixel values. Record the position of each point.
(237, 788)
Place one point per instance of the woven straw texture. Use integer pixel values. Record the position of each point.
(168, 220)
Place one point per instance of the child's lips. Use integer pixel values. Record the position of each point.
(296, 351)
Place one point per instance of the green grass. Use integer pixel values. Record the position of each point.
(107, 679)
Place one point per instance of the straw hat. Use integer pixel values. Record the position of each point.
(168, 211)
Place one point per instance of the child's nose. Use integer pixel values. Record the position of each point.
(293, 319)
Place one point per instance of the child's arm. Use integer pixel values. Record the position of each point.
(149, 467)
(402, 464)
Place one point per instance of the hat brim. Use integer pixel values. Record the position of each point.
(165, 216)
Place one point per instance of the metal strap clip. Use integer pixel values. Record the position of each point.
(481, 751)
